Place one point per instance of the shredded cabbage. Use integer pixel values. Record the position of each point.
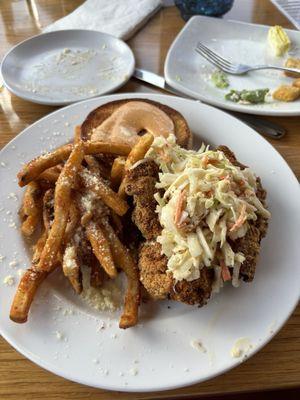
(204, 201)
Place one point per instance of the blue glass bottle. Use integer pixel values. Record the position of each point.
(215, 8)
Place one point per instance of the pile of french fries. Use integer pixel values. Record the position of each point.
(75, 202)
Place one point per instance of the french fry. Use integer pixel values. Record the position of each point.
(36, 166)
(62, 199)
(98, 275)
(117, 172)
(97, 167)
(124, 261)
(72, 224)
(117, 223)
(25, 293)
(48, 208)
(51, 174)
(101, 248)
(70, 264)
(71, 267)
(31, 209)
(77, 134)
(29, 284)
(38, 248)
(104, 192)
(137, 153)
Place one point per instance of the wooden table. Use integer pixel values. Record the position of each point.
(278, 364)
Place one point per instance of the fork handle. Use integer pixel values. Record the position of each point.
(256, 67)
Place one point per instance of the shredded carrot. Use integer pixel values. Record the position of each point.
(241, 219)
(213, 162)
(179, 206)
(205, 161)
(225, 272)
(164, 156)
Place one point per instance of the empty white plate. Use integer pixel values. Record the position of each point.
(63, 67)
(239, 42)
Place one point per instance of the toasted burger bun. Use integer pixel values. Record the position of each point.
(100, 114)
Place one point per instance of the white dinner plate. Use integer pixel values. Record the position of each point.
(62, 67)
(64, 335)
(240, 42)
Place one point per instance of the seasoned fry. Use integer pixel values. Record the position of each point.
(77, 134)
(31, 209)
(117, 172)
(139, 150)
(97, 167)
(27, 288)
(62, 197)
(137, 153)
(48, 208)
(70, 264)
(101, 248)
(98, 275)
(50, 174)
(117, 223)
(28, 285)
(36, 166)
(72, 224)
(124, 260)
(103, 191)
(38, 248)
(71, 267)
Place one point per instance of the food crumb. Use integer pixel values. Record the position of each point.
(95, 361)
(13, 263)
(240, 347)
(197, 345)
(12, 196)
(9, 280)
(114, 336)
(121, 373)
(133, 371)
(21, 272)
(59, 335)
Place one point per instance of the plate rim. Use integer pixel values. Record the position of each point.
(54, 103)
(44, 364)
(232, 107)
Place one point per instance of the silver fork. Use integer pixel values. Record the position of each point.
(232, 68)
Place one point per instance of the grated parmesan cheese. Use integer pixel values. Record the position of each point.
(108, 297)
(9, 280)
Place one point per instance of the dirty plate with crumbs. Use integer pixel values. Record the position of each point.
(173, 345)
(63, 67)
(238, 42)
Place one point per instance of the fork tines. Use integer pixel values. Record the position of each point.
(215, 58)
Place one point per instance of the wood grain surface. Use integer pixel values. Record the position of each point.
(278, 364)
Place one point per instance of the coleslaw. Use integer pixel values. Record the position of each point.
(203, 203)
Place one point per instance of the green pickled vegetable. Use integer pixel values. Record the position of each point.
(247, 96)
(219, 79)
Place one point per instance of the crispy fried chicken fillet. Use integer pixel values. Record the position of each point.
(153, 265)
(249, 245)
(140, 183)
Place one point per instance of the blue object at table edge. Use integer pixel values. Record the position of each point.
(215, 8)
